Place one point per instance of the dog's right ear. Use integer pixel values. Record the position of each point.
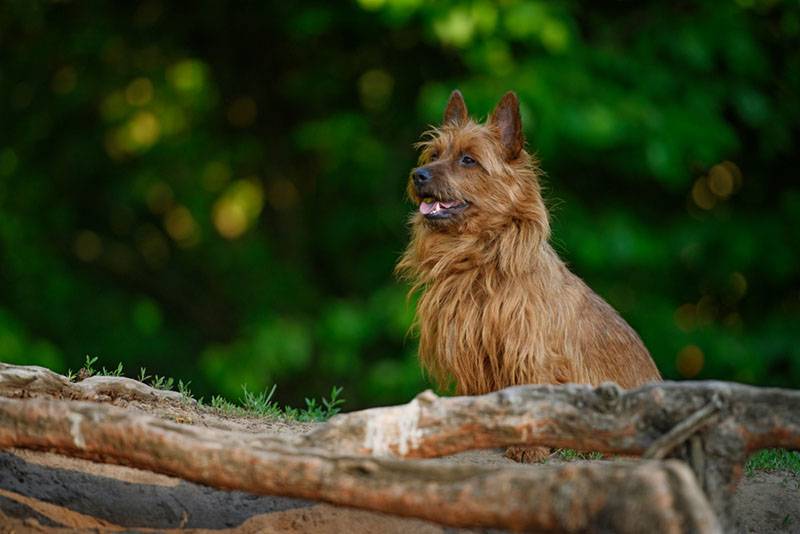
(508, 121)
(456, 110)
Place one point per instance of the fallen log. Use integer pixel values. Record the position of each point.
(634, 497)
(32, 381)
(714, 426)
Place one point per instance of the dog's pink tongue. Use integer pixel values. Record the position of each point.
(428, 207)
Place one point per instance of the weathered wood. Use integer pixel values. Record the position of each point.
(32, 380)
(684, 430)
(714, 426)
(604, 419)
(616, 497)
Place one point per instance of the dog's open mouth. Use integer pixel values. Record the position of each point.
(432, 208)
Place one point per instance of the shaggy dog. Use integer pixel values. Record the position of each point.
(498, 307)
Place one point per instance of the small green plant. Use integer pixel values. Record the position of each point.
(88, 367)
(163, 382)
(570, 455)
(328, 408)
(183, 388)
(260, 403)
(251, 403)
(143, 376)
(773, 460)
(116, 372)
(314, 411)
(218, 402)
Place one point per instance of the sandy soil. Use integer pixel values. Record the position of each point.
(44, 492)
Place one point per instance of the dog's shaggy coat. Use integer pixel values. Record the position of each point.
(498, 307)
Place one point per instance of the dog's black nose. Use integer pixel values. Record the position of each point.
(421, 176)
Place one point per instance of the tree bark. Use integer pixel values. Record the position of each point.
(716, 425)
(646, 496)
(713, 426)
(32, 381)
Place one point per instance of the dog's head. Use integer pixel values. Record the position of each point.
(472, 177)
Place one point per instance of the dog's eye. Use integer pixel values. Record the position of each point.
(434, 156)
(467, 161)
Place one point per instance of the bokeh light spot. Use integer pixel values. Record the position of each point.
(229, 218)
(555, 36)
(738, 285)
(720, 181)
(147, 316)
(701, 196)
(735, 172)
(686, 317)
(139, 92)
(706, 310)
(237, 208)
(690, 361)
(181, 226)
(524, 19)
(456, 28)
(188, 76)
(144, 130)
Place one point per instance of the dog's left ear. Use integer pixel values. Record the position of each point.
(507, 120)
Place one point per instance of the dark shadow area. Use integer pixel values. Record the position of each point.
(128, 504)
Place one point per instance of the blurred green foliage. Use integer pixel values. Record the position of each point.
(214, 190)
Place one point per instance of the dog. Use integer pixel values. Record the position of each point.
(497, 306)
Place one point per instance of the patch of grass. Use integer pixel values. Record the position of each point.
(183, 389)
(88, 370)
(313, 411)
(88, 365)
(569, 455)
(773, 460)
(143, 376)
(218, 402)
(163, 382)
(260, 403)
(250, 403)
(115, 372)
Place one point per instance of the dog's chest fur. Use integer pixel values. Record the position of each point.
(492, 329)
